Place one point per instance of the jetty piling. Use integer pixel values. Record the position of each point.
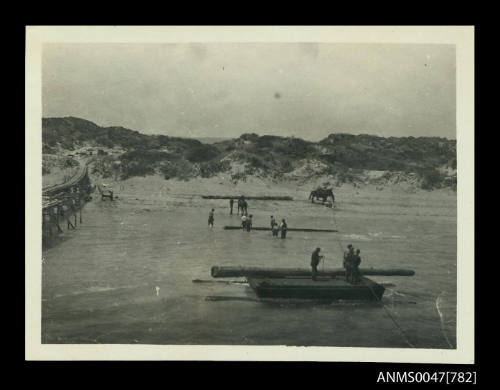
(63, 201)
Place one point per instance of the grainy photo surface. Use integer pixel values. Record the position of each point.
(249, 194)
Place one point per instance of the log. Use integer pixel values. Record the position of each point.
(220, 281)
(236, 271)
(226, 298)
(236, 197)
(288, 229)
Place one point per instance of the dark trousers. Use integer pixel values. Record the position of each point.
(355, 276)
(314, 271)
(352, 275)
(231, 211)
(283, 234)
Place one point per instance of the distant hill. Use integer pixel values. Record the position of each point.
(212, 140)
(345, 156)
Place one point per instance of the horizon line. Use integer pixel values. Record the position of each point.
(260, 135)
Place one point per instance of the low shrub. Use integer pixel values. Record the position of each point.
(141, 162)
(180, 169)
(212, 168)
(239, 176)
(257, 162)
(296, 147)
(104, 167)
(430, 178)
(69, 163)
(201, 153)
(286, 166)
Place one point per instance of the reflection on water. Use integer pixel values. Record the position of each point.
(125, 276)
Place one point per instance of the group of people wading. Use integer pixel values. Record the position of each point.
(247, 219)
(276, 228)
(352, 260)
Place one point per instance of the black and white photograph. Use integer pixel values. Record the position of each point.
(276, 192)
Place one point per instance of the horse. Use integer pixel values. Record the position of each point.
(242, 205)
(322, 193)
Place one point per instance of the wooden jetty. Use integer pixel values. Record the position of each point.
(236, 197)
(62, 203)
(330, 289)
(288, 229)
(259, 272)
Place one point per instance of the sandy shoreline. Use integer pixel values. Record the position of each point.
(156, 187)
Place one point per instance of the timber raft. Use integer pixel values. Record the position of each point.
(258, 272)
(288, 229)
(331, 289)
(287, 198)
(296, 283)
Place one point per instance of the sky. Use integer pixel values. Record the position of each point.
(306, 90)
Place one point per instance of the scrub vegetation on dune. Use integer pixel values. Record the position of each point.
(428, 162)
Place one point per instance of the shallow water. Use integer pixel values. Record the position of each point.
(99, 281)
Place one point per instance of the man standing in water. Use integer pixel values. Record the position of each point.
(273, 222)
(241, 201)
(275, 230)
(249, 222)
(283, 228)
(211, 218)
(231, 203)
(315, 260)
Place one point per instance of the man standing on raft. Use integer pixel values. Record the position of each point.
(315, 260)
(351, 264)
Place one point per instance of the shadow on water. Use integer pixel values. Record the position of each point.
(307, 303)
(56, 239)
